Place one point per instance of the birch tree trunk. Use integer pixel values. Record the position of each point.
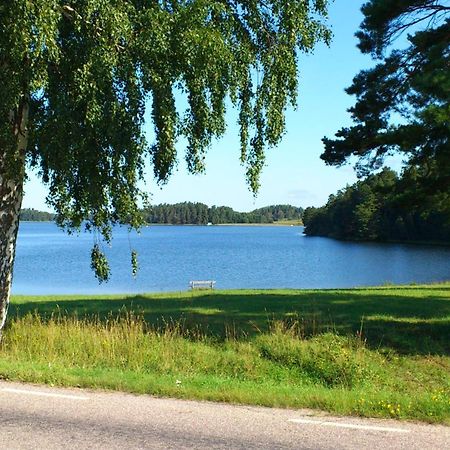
(11, 193)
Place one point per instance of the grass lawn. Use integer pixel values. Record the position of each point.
(382, 352)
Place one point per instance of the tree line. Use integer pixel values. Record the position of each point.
(383, 207)
(201, 214)
(197, 214)
(33, 215)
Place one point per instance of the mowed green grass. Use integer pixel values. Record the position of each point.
(382, 352)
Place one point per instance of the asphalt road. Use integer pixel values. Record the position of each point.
(37, 417)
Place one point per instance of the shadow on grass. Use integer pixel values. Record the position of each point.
(407, 320)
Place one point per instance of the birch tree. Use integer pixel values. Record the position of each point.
(76, 77)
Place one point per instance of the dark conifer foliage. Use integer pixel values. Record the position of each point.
(383, 207)
(33, 215)
(403, 102)
(201, 214)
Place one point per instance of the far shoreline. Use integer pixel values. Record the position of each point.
(273, 224)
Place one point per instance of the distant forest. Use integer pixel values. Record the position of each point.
(383, 207)
(197, 214)
(201, 214)
(33, 215)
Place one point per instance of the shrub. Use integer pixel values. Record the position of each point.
(327, 358)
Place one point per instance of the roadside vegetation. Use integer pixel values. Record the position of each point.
(381, 352)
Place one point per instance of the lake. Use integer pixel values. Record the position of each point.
(49, 261)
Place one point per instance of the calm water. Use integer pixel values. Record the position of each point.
(48, 261)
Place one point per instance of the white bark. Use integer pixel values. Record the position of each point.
(11, 193)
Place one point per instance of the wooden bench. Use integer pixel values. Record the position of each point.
(197, 284)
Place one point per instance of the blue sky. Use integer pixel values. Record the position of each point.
(294, 173)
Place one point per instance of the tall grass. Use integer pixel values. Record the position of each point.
(282, 366)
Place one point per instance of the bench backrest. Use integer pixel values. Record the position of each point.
(202, 284)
